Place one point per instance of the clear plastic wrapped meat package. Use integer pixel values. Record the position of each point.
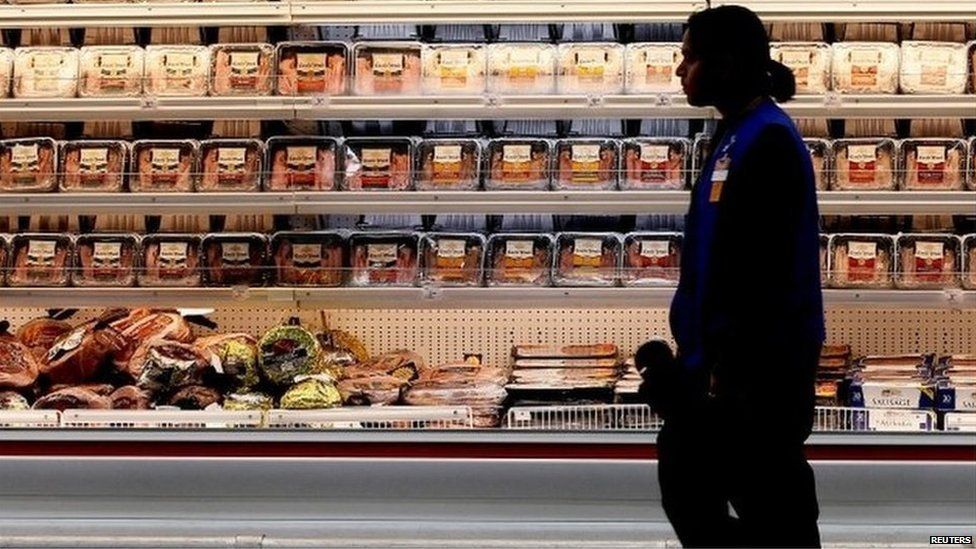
(861, 260)
(378, 163)
(820, 158)
(234, 259)
(312, 68)
(230, 165)
(865, 67)
(455, 69)
(518, 163)
(522, 68)
(38, 259)
(969, 262)
(864, 164)
(592, 68)
(933, 164)
(587, 259)
(177, 71)
(163, 165)
(106, 260)
(651, 259)
(4, 255)
(309, 258)
(933, 67)
(93, 166)
(453, 259)
(387, 68)
(170, 260)
(111, 71)
(28, 165)
(655, 163)
(824, 259)
(809, 61)
(652, 67)
(48, 71)
(6, 71)
(971, 157)
(519, 259)
(448, 164)
(242, 69)
(384, 258)
(701, 148)
(586, 164)
(301, 163)
(928, 261)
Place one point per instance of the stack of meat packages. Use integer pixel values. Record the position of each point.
(564, 374)
(835, 363)
(463, 384)
(627, 390)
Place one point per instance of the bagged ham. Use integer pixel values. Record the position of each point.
(19, 366)
(809, 61)
(301, 164)
(377, 164)
(111, 71)
(449, 164)
(865, 67)
(518, 164)
(587, 259)
(522, 68)
(652, 67)
(45, 72)
(453, 259)
(590, 68)
(163, 165)
(235, 259)
(80, 355)
(170, 260)
(177, 70)
(309, 258)
(73, 398)
(861, 261)
(655, 163)
(933, 164)
(651, 259)
(105, 260)
(141, 326)
(384, 259)
(230, 165)
(519, 259)
(93, 166)
(928, 261)
(40, 260)
(387, 68)
(586, 164)
(454, 69)
(864, 164)
(39, 334)
(312, 68)
(933, 67)
(28, 165)
(241, 69)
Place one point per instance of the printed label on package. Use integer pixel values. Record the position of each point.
(655, 249)
(381, 255)
(306, 255)
(585, 153)
(235, 252)
(450, 248)
(519, 249)
(654, 154)
(173, 251)
(376, 158)
(447, 154)
(517, 153)
(107, 252)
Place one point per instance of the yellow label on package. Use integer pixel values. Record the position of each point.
(453, 58)
(387, 63)
(587, 252)
(244, 61)
(42, 249)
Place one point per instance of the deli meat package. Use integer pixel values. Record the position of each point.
(105, 260)
(928, 261)
(933, 67)
(170, 260)
(971, 155)
(235, 259)
(865, 67)
(4, 254)
(655, 163)
(40, 334)
(377, 164)
(163, 166)
(586, 164)
(453, 259)
(824, 259)
(39, 260)
(519, 259)
(587, 259)
(809, 61)
(593, 351)
(864, 164)
(111, 71)
(861, 260)
(652, 67)
(387, 68)
(591, 68)
(242, 69)
(518, 164)
(455, 69)
(93, 166)
(309, 258)
(449, 164)
(384, 259)
(933, 164)
(230, 165)
(45, 72)
(6, 71)
(81, 354)
(820, 158)
(312, 68)
(142, 326)
(301, 164)
(28, 165)
(522, 68)
(651, 259)
(969, 259)
(177, 70)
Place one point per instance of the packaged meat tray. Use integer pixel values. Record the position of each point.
(93, 166)
(455, 69)
(651, 259)
(597, 350)
(177, 70)
(163, 165)
(861, 260)
(170, 260)
(585, 164)
(933, 164)
(969, 262)
(971, 155)
(820, 157)
(928, 261)
(519, 259)
(518, 164)
(809, 61)
(377, 164)
(241, 69)
(301, 164)
(230, 165)
(933, 67)
(6, 71)
(45, 72)
(655, 163)
(111, 71)
(701, 148)
(39, 260)
(312, 68)
(28, 165)
(4, 255)
(387, 68)
(448, 165)
(522, 68)
(652, 67)
(384, 259)
(453, 259)
(590, 68)
(587, 259)
(864, 164)
(105, 260)
(865, 67)
(824, 258)
(235, 259)
(309, 258)
(566, 363)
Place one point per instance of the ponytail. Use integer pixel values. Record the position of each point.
(782, 82)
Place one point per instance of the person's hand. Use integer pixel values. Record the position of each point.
(658, 368)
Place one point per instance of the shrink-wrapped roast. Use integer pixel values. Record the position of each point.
(19, 366)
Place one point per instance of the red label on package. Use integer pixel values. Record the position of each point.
(930, 162)
(862, 161)
(861, 260)
(929, 261)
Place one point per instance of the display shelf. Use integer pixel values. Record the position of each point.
(145, 14)
(147, 203)
(138, 297)
(147, 108)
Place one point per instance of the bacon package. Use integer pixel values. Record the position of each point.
(969, 259)
(449, 165)
(865, 67)
(522, 68)
(586, 164)
(928, 261)
(652, 67)
(655, 163)
(312, 68)
(230, 165)
(861, 260)
(170, 260)
(933, 67)
(105, 260)
(301, 164)
(177, 70)
(933, 164)
(242, 69)
(809, 62)
(163, 165)
(820, 158)
(651, 259)
(40, 260)
(518, 164)
(28, 165)
(93, 166)
(516, 259)
(454, 69)
(6, 71)
(111, 71)
(587, 259)
(235, 259)
(387, 68)
(384, 259)
(453, 259)
(45, 72)
(377, 164)
(309, 258)
(864, 164)
(591, 68)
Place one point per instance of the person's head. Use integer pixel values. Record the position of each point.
(726, 60)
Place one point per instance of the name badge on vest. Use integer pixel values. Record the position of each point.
(719, 174)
